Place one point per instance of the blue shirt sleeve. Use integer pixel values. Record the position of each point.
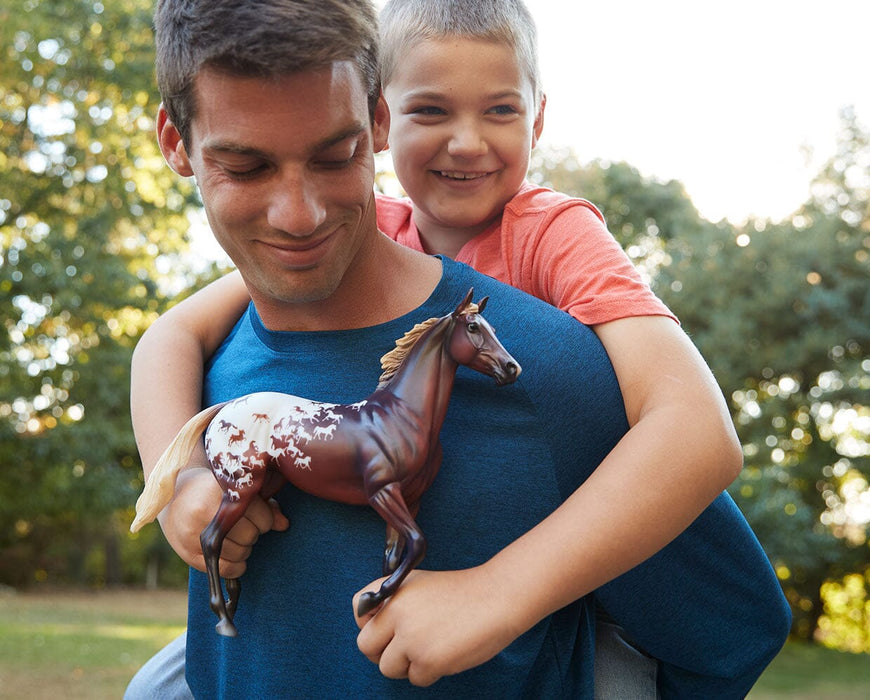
(708, 606)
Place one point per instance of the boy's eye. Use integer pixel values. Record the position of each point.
(429, 111)
(504, 110)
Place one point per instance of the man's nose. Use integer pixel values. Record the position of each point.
(296, 206)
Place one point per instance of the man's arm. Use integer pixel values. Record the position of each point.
(166, 391)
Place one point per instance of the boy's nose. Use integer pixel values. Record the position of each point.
(466, 141)
(296, 208)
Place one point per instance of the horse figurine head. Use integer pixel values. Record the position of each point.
(474, 345)
(383, 450)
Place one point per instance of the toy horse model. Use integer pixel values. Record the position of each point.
(383, 450)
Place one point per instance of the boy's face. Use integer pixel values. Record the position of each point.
(285, 169)
(463, 123)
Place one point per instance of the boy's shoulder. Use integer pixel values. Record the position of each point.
(536, 200)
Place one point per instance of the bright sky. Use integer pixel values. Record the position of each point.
(724, 97)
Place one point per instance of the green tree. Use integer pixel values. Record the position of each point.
(641, 212)
(781, 313)
(91, 224)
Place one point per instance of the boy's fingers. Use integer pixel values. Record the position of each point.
(394, 663)
(280, 521)
(259, 513)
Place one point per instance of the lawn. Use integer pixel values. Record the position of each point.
(82, 645)
(88, 645)
(810, 672)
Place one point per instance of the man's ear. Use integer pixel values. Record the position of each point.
(538, 126)
(381, 125)
(171, 144)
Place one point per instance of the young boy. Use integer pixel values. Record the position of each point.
(466, 109)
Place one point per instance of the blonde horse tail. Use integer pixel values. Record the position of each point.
(160, 486)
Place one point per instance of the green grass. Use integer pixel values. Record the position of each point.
(811, 672)
(88, 645)
(82, 645)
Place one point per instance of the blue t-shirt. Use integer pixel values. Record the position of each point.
(511, 456)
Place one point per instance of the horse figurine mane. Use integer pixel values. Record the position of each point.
(391, 362)
(383, 450)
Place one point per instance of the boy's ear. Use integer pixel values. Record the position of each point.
(538, 126)
(381, 125)
(171, 144)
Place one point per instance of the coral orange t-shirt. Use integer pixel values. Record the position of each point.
(550, 245)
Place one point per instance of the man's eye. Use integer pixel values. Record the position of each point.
(335, 164)
(244, 173)
(504, 110)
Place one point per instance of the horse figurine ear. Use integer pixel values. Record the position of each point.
(481, 305)
(464, 303)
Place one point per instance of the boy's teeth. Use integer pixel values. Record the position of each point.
(461, 176)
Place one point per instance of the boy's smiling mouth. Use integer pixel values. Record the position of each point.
(459, 175)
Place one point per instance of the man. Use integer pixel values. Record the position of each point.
(274, 108)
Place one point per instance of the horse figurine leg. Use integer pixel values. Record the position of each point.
(393, 550)
(390, 504)
(211, 539)
(234, 590)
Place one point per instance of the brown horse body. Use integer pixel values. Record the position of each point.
(383, 450)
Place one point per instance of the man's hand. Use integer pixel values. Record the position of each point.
(438, 623)
(197, 498)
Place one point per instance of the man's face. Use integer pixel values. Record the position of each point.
(285, 169)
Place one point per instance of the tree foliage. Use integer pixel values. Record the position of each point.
(90, 217)
(781, 311)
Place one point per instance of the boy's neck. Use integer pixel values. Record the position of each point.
(444, 240)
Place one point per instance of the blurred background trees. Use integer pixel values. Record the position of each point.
(94, 243)
(91, 224)
(781, 311)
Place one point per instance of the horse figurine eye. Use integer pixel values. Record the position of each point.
(473, 327)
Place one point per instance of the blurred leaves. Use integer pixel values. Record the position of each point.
(781, 312)
(92, 226)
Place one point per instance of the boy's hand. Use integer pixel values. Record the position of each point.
(197, 498)
(438, 623)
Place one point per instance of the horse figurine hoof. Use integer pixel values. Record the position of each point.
(225, 628)
(368, 601)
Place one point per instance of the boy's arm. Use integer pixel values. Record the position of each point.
(166, 391)
(635, 502)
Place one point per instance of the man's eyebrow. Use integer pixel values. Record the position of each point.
(328, 142)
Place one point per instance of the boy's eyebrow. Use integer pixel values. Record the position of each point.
(239, 149)
(426, 94)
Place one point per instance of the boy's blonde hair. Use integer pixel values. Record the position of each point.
(405, 23)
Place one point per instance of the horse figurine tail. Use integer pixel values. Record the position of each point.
(160, 486)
